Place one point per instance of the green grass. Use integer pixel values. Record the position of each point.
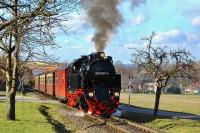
(165, 123)
(179, 103)
(176, 125)
(31, 118)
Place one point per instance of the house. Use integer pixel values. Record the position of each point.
(148, 87)
(194, 88)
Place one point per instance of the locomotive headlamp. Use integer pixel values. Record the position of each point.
(91, 94)
(116, 94)
(74, 67)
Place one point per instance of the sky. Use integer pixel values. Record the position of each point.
(176, 23)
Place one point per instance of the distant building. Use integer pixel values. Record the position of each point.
(147, 87)
(194, 88)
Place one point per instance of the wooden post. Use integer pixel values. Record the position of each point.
(129, 90)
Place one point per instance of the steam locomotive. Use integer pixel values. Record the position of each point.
(89, 83)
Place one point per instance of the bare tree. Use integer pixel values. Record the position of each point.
(26, 27)
(163, 64)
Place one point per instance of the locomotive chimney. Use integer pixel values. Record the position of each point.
(96, 56)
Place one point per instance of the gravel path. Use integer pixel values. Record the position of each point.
(77, 122)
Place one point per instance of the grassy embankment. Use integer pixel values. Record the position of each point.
(177, 103)
(32, 118)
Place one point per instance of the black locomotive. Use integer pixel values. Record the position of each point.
(90, 83)
(97, 78)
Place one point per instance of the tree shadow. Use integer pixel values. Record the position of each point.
(58, 127)
(140, 117)
(145, 115)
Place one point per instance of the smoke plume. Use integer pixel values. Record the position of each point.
(105, 17)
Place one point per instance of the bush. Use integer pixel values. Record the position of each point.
(174, 90)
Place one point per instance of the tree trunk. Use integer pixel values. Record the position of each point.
(157, 100)
(10, 92)
(11, 86)
(11, 105)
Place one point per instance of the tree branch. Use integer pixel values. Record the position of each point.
(35, 13)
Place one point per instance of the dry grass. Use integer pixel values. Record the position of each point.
(179, 103)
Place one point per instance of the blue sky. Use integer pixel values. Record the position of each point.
(176, 22)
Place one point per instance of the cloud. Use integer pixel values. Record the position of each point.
(139, 44)
(128, 46)
(174, 39)
(170, 37)
(193, 39)
(138, 19)
(177, 39)
(77, 21)
(196, 21)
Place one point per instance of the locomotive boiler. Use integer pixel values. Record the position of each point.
(89, 83)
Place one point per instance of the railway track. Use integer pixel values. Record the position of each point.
(122, 125)
(117, 124)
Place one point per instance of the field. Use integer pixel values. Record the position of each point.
(179, 103)
(31, 118)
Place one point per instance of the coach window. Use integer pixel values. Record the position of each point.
(50, 80)
(42, 80)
